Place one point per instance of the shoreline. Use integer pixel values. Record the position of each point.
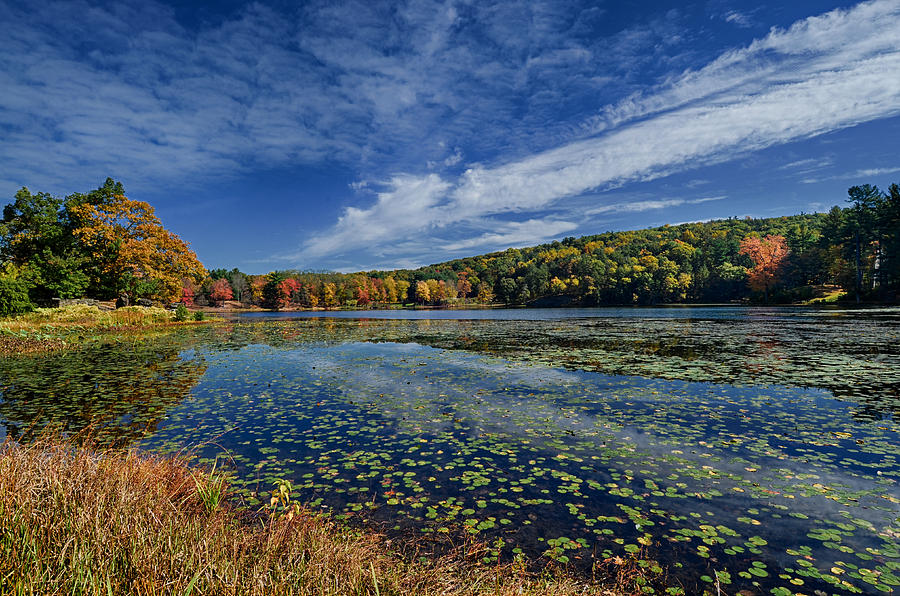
(125, 521)
(636, 307)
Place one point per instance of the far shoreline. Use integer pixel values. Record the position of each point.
(231, 309)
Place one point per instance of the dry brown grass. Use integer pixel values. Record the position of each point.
(80, 521)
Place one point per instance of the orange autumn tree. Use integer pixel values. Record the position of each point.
(220, 291)
(767, 255)
(130, 250)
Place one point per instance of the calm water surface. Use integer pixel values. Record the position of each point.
(550, 314)
(756, 445)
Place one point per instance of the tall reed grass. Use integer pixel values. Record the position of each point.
(75, 520)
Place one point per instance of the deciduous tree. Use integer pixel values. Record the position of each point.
(129, 249)
(35, 237)
(423, 292)
(220, 291)
(187, 292)
(329, 295)
(767, 255)
(290, 289)
(402, 290)
(463, 287)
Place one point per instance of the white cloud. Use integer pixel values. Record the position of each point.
(406, 206)
(873, 172)
(639, 206)
(738, 18)
(126, 89)
(829, 43)
(515, 233)
(822, 74)
(864, 175)
(807, 165)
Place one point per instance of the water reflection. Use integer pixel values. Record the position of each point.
(121, 391)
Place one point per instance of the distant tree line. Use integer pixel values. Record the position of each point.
(101, 244)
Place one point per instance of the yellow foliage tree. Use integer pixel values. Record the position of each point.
(329, 295)
(402, 290)
(132, 251)
(423, 292)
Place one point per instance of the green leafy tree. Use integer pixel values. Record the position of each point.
(14, 298)
(35, 236)
(889, 224)
(507, 290)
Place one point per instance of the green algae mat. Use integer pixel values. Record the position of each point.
(736, 450)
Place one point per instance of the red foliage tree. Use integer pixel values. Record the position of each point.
(290, 289)
(187, 294)
(379, 294)
(362, 295)
(220, 291)
(767, 255)
(463, 287)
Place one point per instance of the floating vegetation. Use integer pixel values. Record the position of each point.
(783, 481)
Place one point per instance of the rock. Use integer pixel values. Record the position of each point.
(60, 302)
(144, 302)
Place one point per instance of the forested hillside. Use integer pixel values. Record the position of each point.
(101, 244)
(780, 259)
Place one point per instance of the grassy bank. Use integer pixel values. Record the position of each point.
(51, 329)
(79, 521)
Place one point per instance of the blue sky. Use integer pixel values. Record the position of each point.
(361, 135)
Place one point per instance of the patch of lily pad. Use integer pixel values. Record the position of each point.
(757, 455)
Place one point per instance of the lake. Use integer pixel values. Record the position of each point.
(756, 447)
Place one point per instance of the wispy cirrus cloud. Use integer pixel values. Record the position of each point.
(822, 74)
(864, 174)
(738, 18)
(406, 205)
(515, 233)
(650, 205)
(806, 165)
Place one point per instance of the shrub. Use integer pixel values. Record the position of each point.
(181, 313)
(14, 298)
(199, 316)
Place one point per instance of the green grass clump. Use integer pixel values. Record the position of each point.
(78, 521)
